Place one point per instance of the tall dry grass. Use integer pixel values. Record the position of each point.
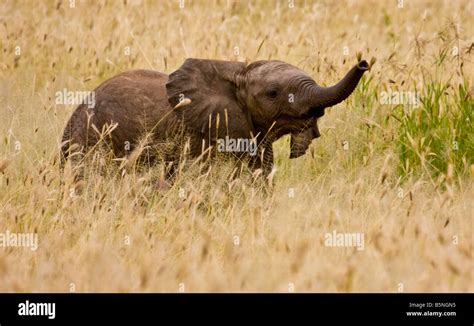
(215, 233)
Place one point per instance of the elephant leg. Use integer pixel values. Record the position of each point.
(78, 137)
(182, 152)
(267, 159)
(264, 159)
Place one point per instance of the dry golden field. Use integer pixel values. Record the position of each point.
(397, 174)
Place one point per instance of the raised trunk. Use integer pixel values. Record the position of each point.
(329, 96)
(323, 97)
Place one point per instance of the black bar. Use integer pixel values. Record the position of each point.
(368, 307)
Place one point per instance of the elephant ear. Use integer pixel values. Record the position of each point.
(299, 142)
(214, 110)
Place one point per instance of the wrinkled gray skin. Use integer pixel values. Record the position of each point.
(267, 99)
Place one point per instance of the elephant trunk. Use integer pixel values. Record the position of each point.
(329, 96)
(323, 97)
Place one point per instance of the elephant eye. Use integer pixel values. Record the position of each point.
(272, 93)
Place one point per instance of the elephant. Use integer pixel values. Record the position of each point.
(205, 101)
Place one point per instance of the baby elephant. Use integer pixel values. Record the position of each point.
(223, 105)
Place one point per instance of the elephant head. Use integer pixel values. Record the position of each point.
(260, 99)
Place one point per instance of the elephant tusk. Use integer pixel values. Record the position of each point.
(185, 101)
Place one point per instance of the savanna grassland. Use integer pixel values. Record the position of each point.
(396, 171)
